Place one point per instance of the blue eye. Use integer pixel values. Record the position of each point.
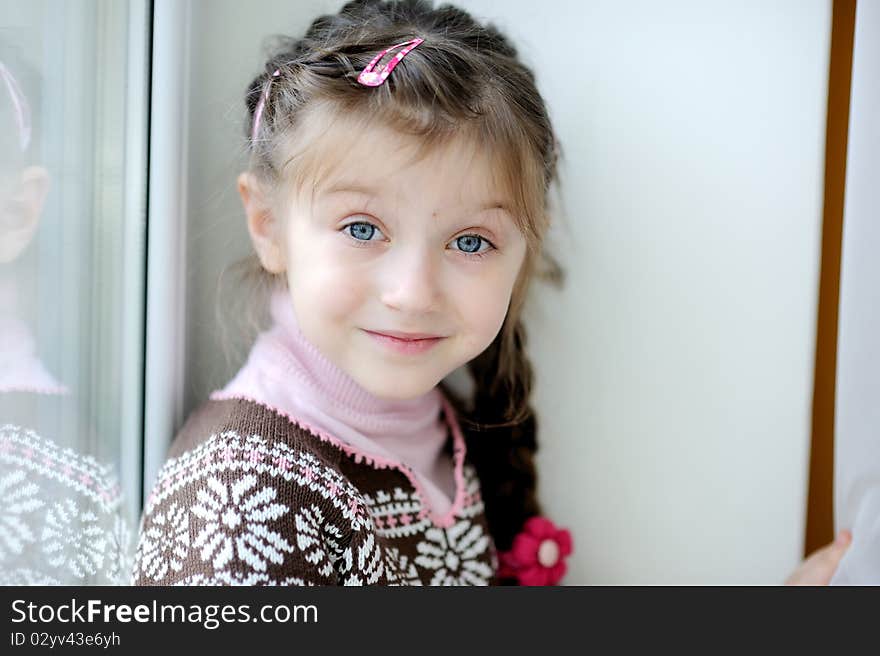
(471, 244)
(362, 231)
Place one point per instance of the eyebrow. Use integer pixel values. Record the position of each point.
(367, 191)
(345, 187)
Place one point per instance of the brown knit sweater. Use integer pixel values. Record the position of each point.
(248, 497)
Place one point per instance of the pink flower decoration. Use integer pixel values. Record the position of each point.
(537, 556)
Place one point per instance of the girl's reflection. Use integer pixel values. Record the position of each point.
(61, 519)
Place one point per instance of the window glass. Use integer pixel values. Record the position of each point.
(72, 188)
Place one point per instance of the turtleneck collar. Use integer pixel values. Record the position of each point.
(287, 372)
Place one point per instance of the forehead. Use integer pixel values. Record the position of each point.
(349, 153)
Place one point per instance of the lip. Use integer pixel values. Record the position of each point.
(402, 335)
(409, 343)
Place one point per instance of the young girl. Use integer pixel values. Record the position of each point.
(397, 201)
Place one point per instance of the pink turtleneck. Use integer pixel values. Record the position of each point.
(285, 371)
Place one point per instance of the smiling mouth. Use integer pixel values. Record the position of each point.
(407, 345)
(405, 337)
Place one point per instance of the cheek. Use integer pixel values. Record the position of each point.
(483, 306)
(485, 315)
(324, 286)
(486, 308)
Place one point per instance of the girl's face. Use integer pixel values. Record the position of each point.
(391, 244)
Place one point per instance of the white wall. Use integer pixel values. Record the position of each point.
(857, 447)
(675, 370)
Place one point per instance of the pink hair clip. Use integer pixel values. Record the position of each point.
(258, 112)
(20, 103)
(370, 78)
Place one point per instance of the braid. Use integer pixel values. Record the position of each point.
(502, 449)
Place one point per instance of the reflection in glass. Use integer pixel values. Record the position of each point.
(66, 515)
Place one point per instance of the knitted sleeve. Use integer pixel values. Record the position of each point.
(246, 510)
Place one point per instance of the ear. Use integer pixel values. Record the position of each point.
(263, 227)
(27, 208)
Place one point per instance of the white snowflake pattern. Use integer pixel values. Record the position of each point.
(19, 499)
(453, 553)
(236, 523)
(400, 569)
(319, 542)
(362, 564)
(73, 540)
(165, 544)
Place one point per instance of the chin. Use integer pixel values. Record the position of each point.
(396, 389)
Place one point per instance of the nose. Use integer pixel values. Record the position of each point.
(411, 281)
